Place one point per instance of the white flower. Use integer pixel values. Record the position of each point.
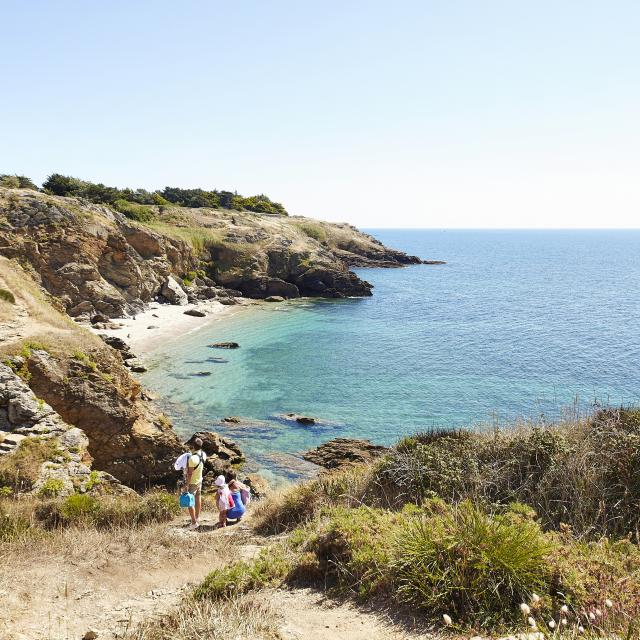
(552, 624)
(580, 629)
(535, 598)
(564, 608)
(608, 603)
(525, 609)
(564, 622)
(598, 613)
(532, 622)
(447, 619)
(592, 616)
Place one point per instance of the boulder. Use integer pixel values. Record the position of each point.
(196, 313)
(274, 299)
(258, 485)
(342, 452)
(213, 444)
(173, 292)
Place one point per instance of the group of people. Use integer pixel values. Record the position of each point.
(232, 496)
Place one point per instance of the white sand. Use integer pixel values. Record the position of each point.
(168, 321)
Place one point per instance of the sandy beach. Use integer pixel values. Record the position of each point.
(159, 323)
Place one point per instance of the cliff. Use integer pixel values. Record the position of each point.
(95, 260)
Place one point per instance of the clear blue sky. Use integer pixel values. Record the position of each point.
(424, 113)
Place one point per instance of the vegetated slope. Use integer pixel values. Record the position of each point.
(95, 259)
(472, 526)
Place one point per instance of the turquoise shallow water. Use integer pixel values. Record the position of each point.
(517, 324)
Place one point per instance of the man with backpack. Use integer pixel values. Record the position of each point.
(194, 469)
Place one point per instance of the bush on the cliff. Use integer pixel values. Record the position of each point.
(137, 212)
(62, 185)
(16, 182)
(586, 474)
(477, 567)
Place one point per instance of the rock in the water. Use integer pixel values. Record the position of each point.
(196, 313)
(274, 299)
(342, 452)
(227, 301)
(308, 420)
(136, 367)
(224, 345)
(214, 445)
(99, 317)
(232, 419)
(173, 292)
(200, 374)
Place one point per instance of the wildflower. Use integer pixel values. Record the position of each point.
(580, 629)
(564, 608)
(447, 619)
(535, 598)
(564, 622)
(525, 609)
(532, 622)
(598, 613)
(552, 624)
(592, 616)
(608, 603)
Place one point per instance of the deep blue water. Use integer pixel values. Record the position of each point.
(517, 324)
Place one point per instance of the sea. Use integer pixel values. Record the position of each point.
(534, 326)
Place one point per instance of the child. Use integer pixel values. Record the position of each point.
(224, 500)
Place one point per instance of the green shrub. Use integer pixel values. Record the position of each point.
(477, 567)
(51, 488)
(353, 549)
(312, 230)
(7, 296)
(270, 568)
(80, 356)
(138, 212)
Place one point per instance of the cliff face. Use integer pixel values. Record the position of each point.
(95, 260)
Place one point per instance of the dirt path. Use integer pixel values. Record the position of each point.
(93, 581)
(308, 615)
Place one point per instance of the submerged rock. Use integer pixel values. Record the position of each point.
(341, 452)
(224, 345)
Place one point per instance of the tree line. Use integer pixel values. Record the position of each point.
(61, 185)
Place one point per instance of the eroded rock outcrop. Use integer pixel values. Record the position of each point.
(57, 450)
(128, 437)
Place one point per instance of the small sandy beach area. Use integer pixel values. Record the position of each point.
(159, 323)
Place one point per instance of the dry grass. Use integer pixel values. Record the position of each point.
(237, 618)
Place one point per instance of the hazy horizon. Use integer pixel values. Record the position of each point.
(437, 115)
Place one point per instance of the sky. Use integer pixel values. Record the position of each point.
(412, 113)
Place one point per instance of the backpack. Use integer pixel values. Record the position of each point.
(245, 495)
